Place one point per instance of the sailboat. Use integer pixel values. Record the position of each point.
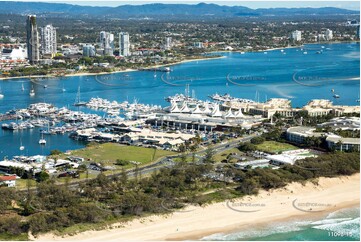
(1, 95)
(42, 141)
(22, 87)
(32, 92)
(77, 99)
(63, 89)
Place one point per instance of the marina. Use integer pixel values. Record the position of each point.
(117, 97)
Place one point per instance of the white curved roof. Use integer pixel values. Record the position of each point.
(174, 108)
(239, 114)
(206, 109)
(229, 114)
(197, 110)
(185, 108)
(216, 112)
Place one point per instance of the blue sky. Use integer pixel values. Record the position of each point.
(353, 5)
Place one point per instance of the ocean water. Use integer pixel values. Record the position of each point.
(341, 225)
(290, 74)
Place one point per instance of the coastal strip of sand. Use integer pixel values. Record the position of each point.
(192, 223)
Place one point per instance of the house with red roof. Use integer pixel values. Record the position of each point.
(8, 181)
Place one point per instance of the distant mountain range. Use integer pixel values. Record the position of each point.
(162, 10)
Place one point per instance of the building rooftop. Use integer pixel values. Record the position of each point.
(304, 131)
(7, 178)
(336, 139)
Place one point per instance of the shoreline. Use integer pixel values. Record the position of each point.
(176, 63)
(237, 228)
(196, 222)
(108, 73)
(286, 47)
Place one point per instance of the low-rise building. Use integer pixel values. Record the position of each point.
(343, 144)
(16, 53)
(343, 123)
(8, 181)
(299, 133)
(290, 157)
(282, 106)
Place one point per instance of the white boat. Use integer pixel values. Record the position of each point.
(1, 95)
(77, 99)
(42, 141)
(336, 96)
(242, 53)
(22, 87)
(32, 92)
(45, 86)
(305, 52)
(21, 146)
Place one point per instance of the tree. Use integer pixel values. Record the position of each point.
(55, 152)
(11, 225)
(123, 177)
(182, 148)
(183, 157)
(6, 196)
(82, 168)
(246, 146)
(209, 153)
(120, 162)
(193, 149)
(42, 176)
(248, 187)
(257, 140)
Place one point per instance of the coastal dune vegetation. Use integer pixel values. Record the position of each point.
(69, 208)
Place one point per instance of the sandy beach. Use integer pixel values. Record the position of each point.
(193, 222)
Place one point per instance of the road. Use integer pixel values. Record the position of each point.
(167, 161)
(164, 162)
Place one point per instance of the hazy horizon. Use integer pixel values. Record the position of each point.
(351, 5)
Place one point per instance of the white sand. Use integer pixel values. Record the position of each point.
(201, 221)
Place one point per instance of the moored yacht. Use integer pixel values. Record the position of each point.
(42, 141)
(32, 92)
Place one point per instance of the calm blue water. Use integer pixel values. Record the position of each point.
(269, 75)
(341, 225)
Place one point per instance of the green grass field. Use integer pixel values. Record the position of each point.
(275, 147)
(223, 155)
(23, 183)
(108, 153)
